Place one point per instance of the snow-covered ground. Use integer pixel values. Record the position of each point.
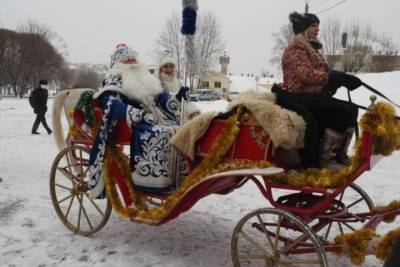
(32, 235)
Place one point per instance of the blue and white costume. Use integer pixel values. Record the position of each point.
(129, 92)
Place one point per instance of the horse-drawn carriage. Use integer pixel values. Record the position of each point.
(296, 231)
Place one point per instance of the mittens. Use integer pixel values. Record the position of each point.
(334, 80)
(183, 93)
(351, 82)
(338, 78)
(188, 21)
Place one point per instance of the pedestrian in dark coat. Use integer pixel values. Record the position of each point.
(38, 101)
(308, 82)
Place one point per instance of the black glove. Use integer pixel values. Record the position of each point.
(351, 82)
(334, 81)
(183, 93)
(339, 78)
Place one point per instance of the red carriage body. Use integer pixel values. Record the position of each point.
(245, 147)
(296, 211)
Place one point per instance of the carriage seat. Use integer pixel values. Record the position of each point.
(122, 134)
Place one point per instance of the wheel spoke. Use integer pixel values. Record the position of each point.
(328, 230)
(265, 231)
(254, 243)
(66, 174)
(69, 207)
(294, 244)
(278, 229)
(349, 226)
(62, 186)
(69, 175)
(340, 228)
(80, 161)
(79, 214)
(95, 205)
(355, 203)
(85, 214)
(341, 196)
(67, 197)
(299, 261)
(248, 256)
(69, 163)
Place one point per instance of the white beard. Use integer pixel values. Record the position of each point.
(137, 82)
(170, 84)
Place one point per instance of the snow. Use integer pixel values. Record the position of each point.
(31, 234)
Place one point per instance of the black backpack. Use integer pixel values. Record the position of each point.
(31, 100)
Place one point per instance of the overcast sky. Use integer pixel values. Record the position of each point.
(92, 28)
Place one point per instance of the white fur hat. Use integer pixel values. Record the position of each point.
(122, 53)
(167, 60)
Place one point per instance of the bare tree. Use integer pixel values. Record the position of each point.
(386, 55)
(7, 54)
(29, 56)
(331, 38)
(360, 40)
(386, 45)
(170, 43)
(209, 45)
(282, 39)
(84, 78)
(35, 27)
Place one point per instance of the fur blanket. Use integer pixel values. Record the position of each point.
(185, 139)
(285, 128)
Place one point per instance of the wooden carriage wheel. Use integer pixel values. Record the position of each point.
(273, 237)
(69, 192)
(356, 200)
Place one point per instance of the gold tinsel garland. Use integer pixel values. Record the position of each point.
(211, 164)
(385, 246)
(395, 204)
(324, 178)
(356, 243)
(381, 122)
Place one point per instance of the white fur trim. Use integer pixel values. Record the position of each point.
(170, 84)
(149, 181)
(137, 82)
(98, 189)
(167, 60)
(190, 110)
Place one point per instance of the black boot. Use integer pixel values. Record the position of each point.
(331, 142)
(341, 155)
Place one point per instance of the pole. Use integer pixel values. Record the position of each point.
(307, 6)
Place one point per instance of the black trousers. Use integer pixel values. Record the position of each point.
(394, 256)
(328, 112)
(319, 112)
(40, 118)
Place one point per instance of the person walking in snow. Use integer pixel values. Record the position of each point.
(308, 82)
(38, 101)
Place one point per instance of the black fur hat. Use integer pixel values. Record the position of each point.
(43, 81)
(300, 22)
